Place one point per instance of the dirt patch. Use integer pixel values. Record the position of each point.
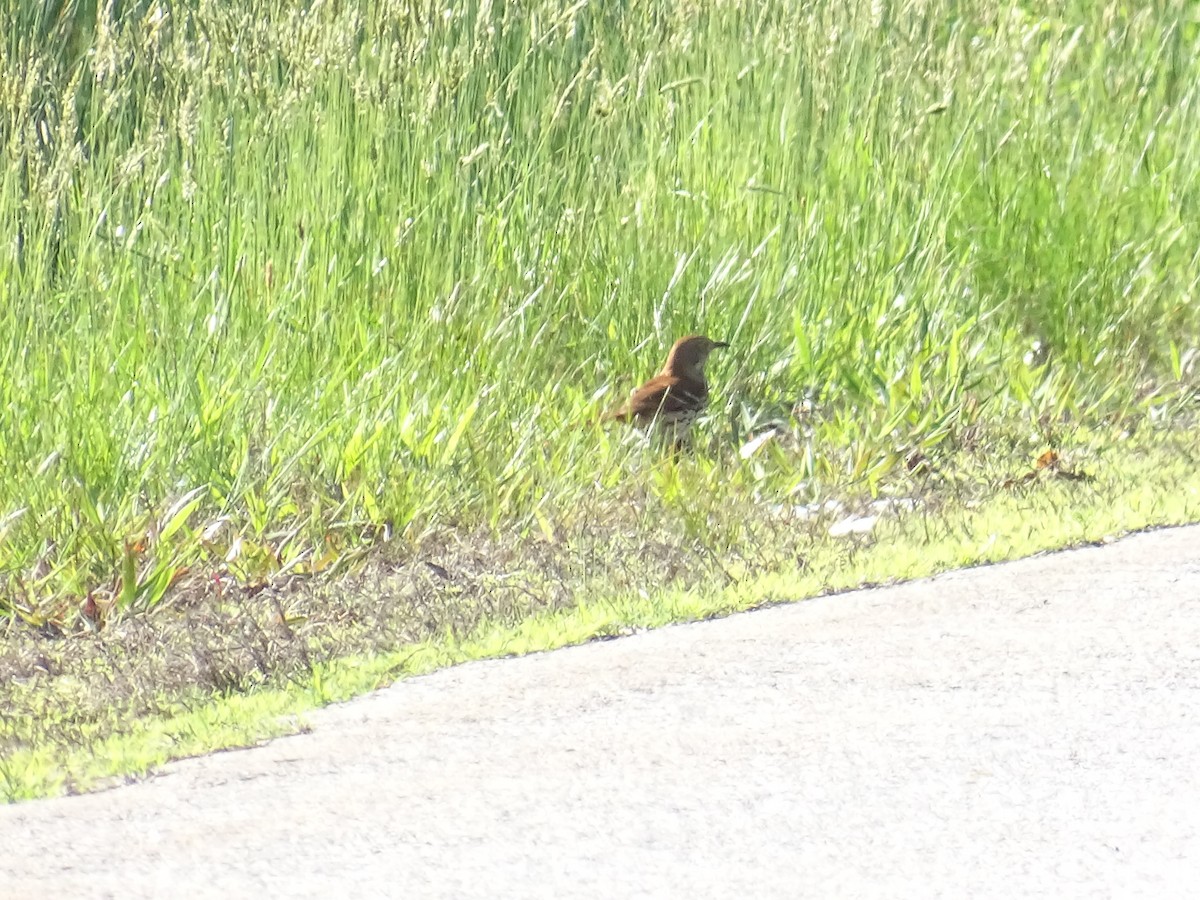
(213, 637)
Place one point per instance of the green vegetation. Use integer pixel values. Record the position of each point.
(288, 283)
(87, 740)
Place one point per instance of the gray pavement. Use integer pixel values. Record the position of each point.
(1021, 730)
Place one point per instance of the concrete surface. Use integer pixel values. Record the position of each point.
(1029, 729)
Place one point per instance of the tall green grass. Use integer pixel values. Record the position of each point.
(279, 277)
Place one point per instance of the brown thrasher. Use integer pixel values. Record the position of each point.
(675, 397)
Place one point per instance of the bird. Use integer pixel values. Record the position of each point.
(675, 397)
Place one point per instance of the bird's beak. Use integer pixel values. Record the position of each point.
(720, 344)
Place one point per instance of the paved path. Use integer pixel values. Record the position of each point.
(1031, 729)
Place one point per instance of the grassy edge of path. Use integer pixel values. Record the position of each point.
(1141, 488)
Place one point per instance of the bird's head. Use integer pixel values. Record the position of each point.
(689, 354)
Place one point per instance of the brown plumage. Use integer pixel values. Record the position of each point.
(677, 395)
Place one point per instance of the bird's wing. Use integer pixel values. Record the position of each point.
(662, 395)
